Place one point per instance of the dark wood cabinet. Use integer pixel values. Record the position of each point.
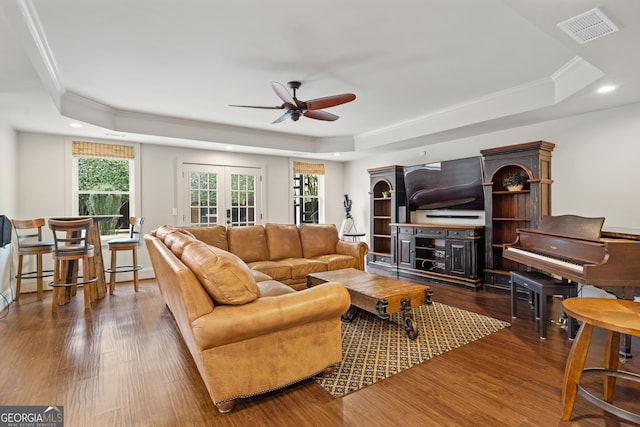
(448, 253)
(506, 211)
(388, 199)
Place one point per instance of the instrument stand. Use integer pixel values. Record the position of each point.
(348, 226)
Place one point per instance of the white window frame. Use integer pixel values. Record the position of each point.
(321, 197)
(71, 177)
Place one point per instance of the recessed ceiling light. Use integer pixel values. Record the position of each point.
(228, 147)
(606, 89)
(336, 154)
(75, 125)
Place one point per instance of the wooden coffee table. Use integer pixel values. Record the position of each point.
(376, 294)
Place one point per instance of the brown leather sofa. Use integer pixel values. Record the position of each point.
(248, 334)
(285, 252)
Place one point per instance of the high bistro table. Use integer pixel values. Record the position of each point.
(94, 239)
(616, 317)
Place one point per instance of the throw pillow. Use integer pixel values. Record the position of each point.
(225, 277)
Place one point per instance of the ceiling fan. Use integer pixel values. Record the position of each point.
(295, 108)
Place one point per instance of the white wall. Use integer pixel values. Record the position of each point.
(8, 206)
(595, 153)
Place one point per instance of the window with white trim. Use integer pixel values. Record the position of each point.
(103, 183)
(308, 191)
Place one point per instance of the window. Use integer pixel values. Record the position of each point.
(308, 180)
(103, 183)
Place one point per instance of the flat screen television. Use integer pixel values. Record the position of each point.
(451, 184)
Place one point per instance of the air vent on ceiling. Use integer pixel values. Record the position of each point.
(588, 26)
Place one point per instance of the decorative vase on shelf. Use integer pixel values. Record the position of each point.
(515, 187)
(385, 194)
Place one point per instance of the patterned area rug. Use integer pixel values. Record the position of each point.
(374, 349)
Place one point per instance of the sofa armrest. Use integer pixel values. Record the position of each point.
(357, 250)
(228, 324)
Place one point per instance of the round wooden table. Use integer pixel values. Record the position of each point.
(616, 317)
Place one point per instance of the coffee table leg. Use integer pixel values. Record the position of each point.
(407, 319)
(427, 296)
(381, 306)
(348, 316)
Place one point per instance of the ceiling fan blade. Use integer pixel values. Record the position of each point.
(258, 106)
(321, 115)
(282, 117)
(329, 101)
(283, 93)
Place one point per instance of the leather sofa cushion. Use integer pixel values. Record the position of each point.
(215, 235)
(273, 288)
(165, 230)
(338, 261)
(274, 269)
(260, 276)
(249, 243)
(283, 241)
(225, 277)
(318, 239)
(178, 241)
(300, 267)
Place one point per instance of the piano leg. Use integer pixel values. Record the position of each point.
(625, 348)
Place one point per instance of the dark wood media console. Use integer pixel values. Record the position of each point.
(448, 253)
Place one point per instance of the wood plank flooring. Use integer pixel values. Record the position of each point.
(124, 364)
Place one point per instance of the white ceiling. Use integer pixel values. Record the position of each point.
(165, 71)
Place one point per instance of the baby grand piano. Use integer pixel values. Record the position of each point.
(576, 249)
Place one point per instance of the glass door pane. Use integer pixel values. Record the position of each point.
(203, 188)
(242, 196)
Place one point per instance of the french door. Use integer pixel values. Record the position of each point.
(221, 195)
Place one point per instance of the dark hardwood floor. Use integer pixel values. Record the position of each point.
(124, 364)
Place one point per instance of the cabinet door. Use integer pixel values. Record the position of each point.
(405, 250)
(457, 258)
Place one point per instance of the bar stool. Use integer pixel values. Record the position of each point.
(130, 243)
(541, 286)
(616, 317)
(29, 237)
(72, 245)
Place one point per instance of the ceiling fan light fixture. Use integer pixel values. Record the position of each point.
(295, 108)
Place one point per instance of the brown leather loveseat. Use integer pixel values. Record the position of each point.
(248, 334)
(286, 252)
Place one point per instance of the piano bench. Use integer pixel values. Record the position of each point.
(542, 287)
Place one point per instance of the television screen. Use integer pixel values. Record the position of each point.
(451, 184)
